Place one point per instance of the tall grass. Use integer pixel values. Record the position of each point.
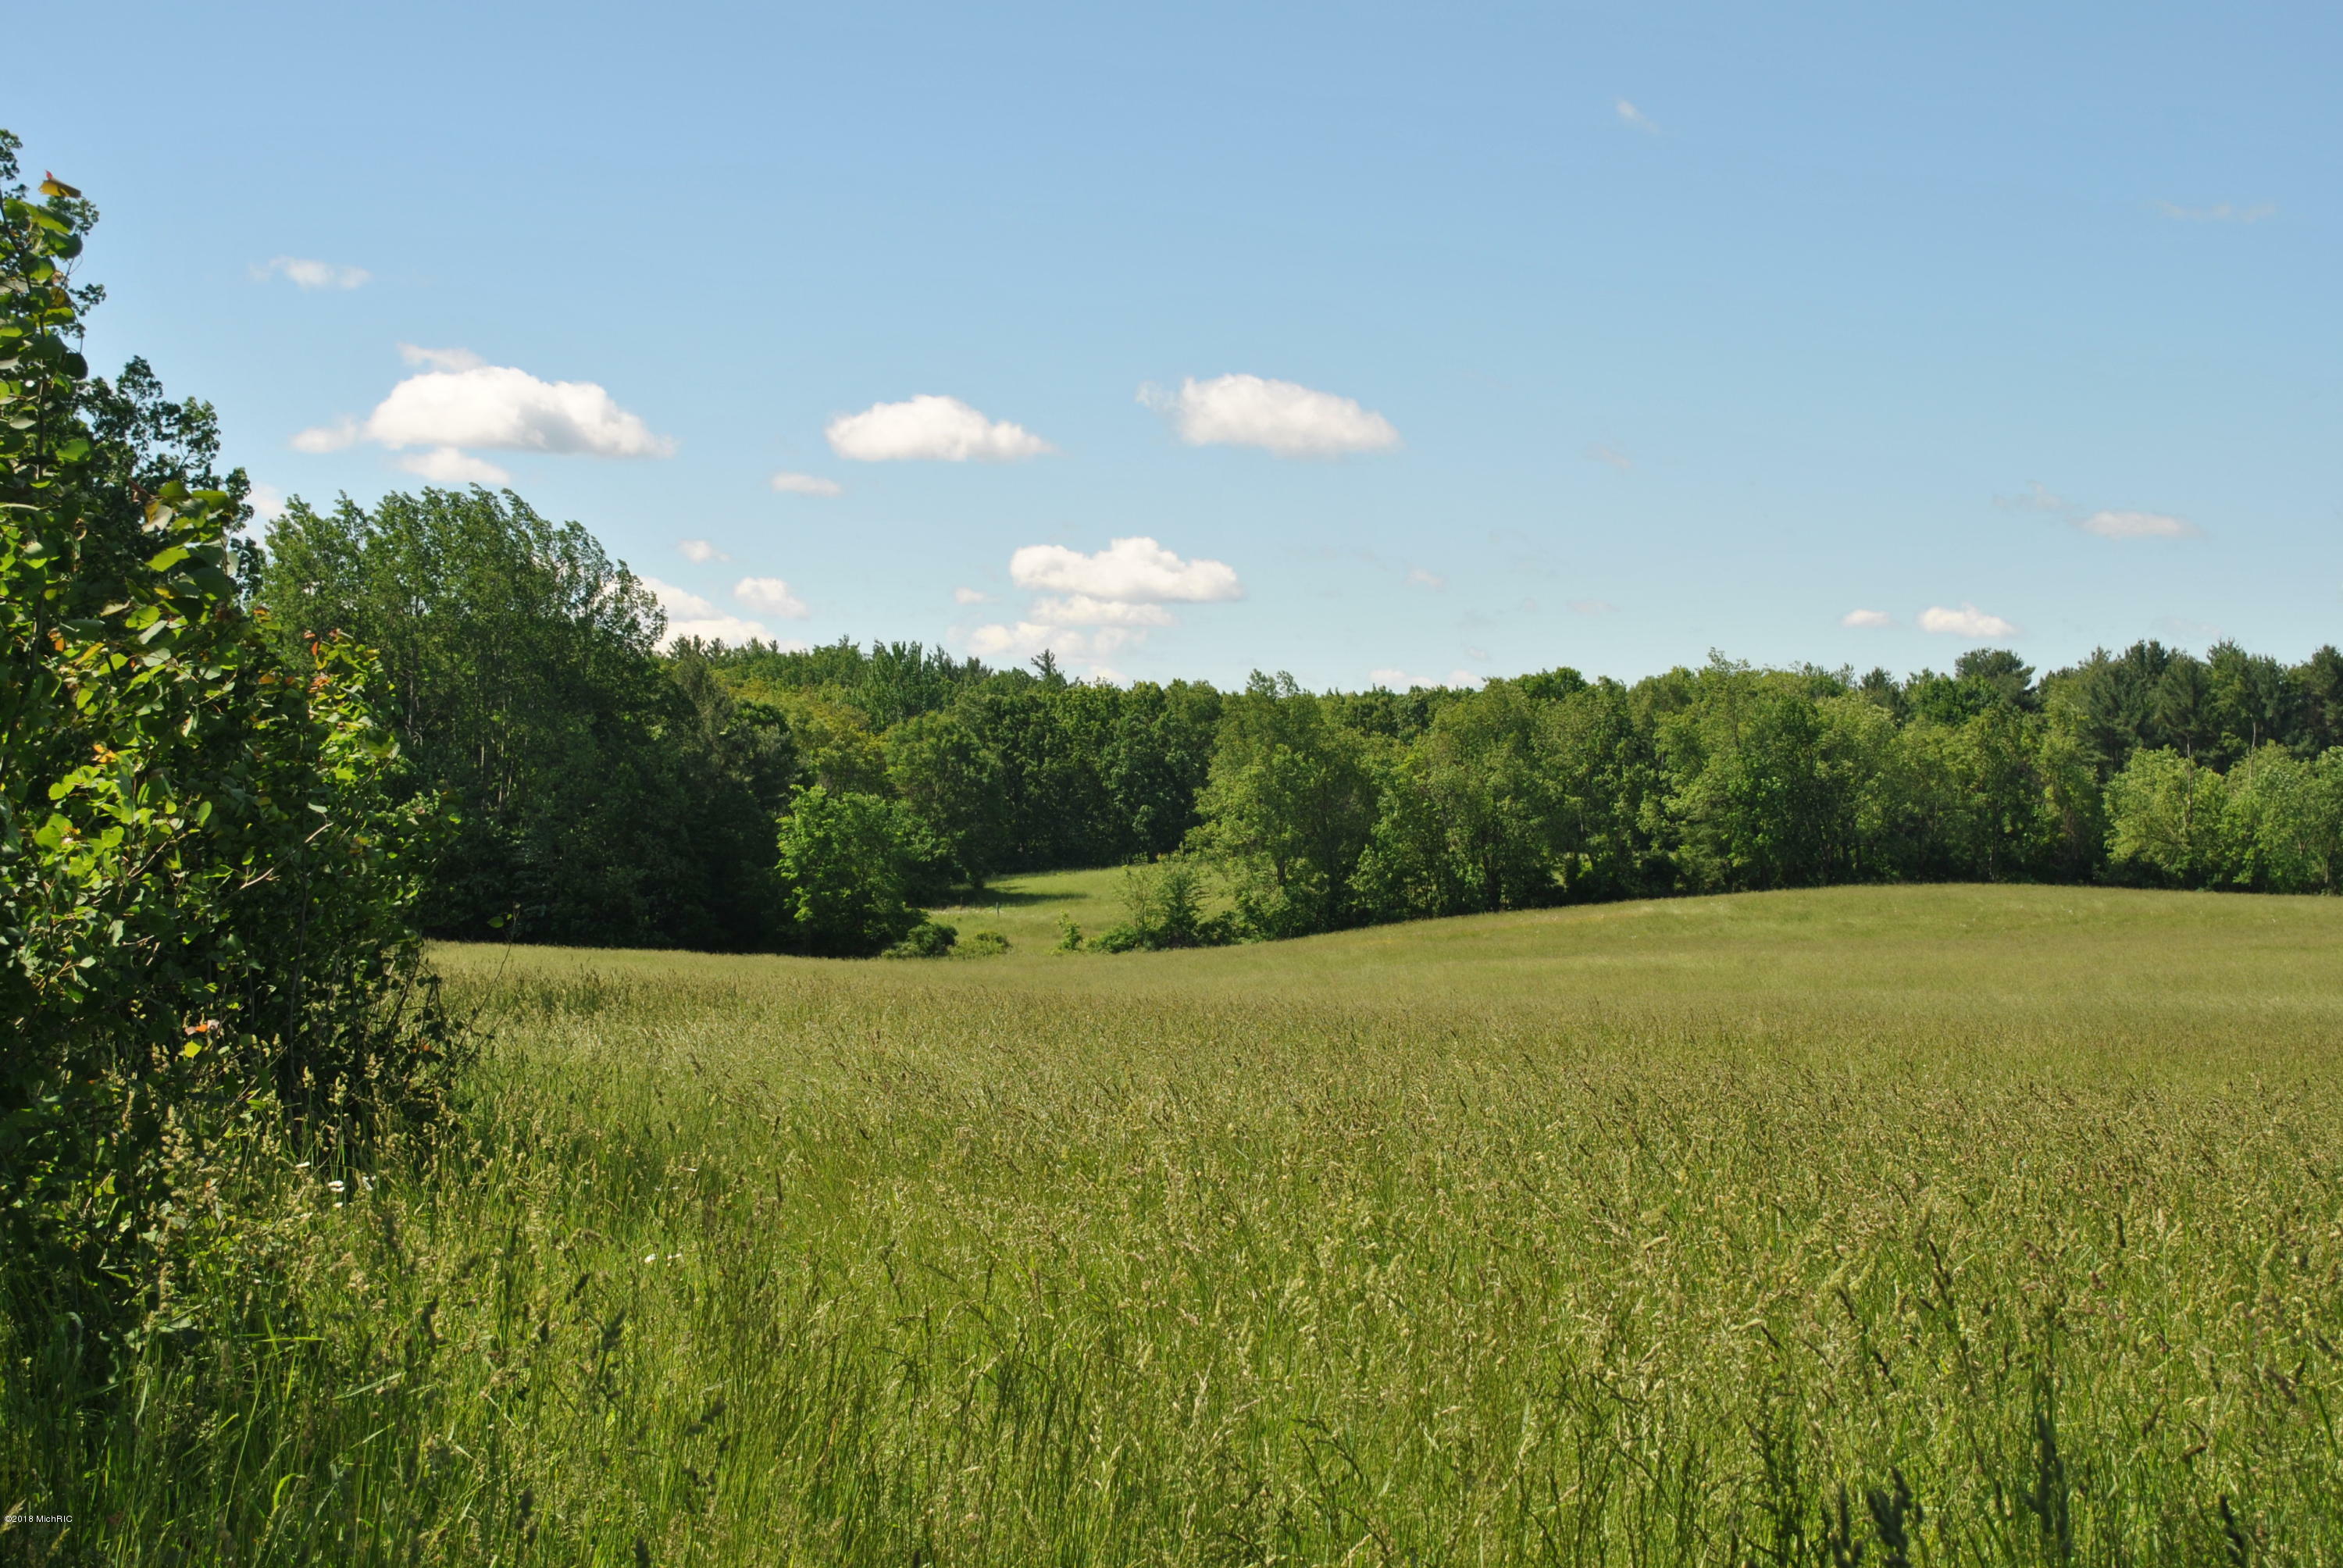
(1739, 1231)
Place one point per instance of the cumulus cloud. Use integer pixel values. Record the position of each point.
(2109, 525)
(1591, 607)
(1867, 618)
(459, 403)
(1028, 637)
(2220, 212)
(1092, 606)
(1082, 610)
(1630, 116)
(303, 273)
(936, 430)
(1135, 569)
(770, 595)
(1280, 417)
(1604, 452)
(689, 615)
(330, 437)
(1967, 621)
(970, 596)
(1418, 578)
(440, 358)
(700, 552)
(267, 501)
(453, 466)
(807, 485)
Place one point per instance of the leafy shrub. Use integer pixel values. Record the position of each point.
(1165, 901)
(203, 883)
(927, 939)
(984, 945)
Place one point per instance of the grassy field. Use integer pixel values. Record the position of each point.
(1928, 1225)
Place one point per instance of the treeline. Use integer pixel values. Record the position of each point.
(2151, 766)
(761, 798)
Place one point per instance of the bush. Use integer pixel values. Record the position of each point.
(1166, 905)
(205, 885)
(927, 939)
(985, 945)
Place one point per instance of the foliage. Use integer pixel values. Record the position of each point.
(1288, 809)
(2167, 819)
(985, 945)
(604, 798)
(927, 939)
(204, 880)
(1164, 907)
(951, 781)
(849, 865)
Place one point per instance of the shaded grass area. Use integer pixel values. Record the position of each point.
(1941, 1224)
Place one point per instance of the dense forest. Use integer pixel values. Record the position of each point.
(605, 791)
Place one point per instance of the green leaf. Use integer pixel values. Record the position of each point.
(166, 560)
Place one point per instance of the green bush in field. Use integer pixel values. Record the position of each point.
(204, 883)
(984, 945)
(927, 939)
(1165, 908)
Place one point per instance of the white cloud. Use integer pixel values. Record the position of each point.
(689, 615)
(1591, 607)
(1479, 655)
(1135, 569)
(770, 595)
(440, 358)
(1867, 618)
(807, 485)
(1290, 420)
(1604, 452)
(327, 437)
(1967, 621)
(267, 501)
(938, 430)
(970, 596)
(700, 552)
(1092, 606)
(470, 404)
(1082, 610)
(2138, 525)
(1418, 578)
(2220, 212)
(1028, 637)
(1630, 116)
(303, 273)
(451, 466)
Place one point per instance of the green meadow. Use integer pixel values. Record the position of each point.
(1941, 1225)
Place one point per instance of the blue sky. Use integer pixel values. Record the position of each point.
(1599, 335)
